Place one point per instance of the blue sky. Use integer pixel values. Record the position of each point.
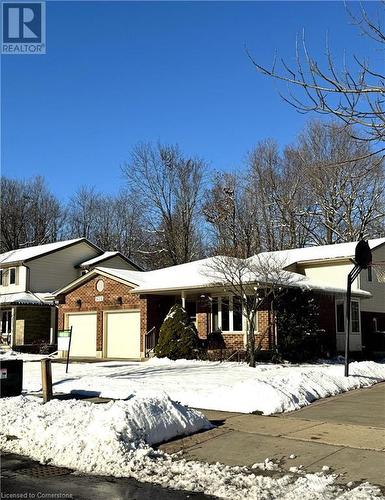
(117, 73)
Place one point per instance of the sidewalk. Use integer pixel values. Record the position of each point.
(345, 432)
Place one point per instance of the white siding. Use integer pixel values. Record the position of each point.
(53, 271)
(377, 302)
(334, 274)
(20, 285)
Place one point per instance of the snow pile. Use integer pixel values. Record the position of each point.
(46, 431)
(113, 440)
(225, 386)
(25, 356)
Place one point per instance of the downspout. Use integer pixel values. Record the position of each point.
(274, 320)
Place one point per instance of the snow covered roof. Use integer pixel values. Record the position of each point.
(191, 275)
(198, 275)
(24, 298)
(95, 260)
(105, 256)
(321, 252)
(28, 253)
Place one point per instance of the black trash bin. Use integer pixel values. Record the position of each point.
(11, 377)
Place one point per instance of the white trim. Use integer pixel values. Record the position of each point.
(231, 317)
(343, 302)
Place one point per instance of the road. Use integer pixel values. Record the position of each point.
(31, 480)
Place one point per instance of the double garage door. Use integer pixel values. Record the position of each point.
(121, 334)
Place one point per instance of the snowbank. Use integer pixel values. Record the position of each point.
(226, 386)
(25, 356)
(114, 439)
(51, 429)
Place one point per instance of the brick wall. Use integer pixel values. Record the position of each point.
(233, 340)
(203, 318)
(113, 292)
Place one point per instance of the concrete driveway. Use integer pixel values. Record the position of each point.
(345, 432)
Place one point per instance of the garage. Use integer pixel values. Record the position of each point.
(83, 343)
(122, 334)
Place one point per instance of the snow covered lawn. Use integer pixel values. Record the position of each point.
(223, 386)
(114, 439)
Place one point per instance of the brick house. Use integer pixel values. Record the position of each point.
(115, 311)
(29, 276)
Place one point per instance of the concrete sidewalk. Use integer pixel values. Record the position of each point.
(345, 432)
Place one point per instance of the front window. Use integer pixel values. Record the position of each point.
(237, 314)
(12, 276)
(215, 314)
(225, 310)
(340, 317)
(226, 314)
(355, 317)
(6, 325)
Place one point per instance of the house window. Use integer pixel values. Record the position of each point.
(6, 323)
(12, 276)
(340, 317)
(354, 317)
(370, 275)
(214, 314)
(237, 314)
(191, 309)
(355, 312)
(225, 314)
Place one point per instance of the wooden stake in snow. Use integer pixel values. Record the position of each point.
(46, 379)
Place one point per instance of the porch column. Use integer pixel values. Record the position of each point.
(13, 326)
(183, 297)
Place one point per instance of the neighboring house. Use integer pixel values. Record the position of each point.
(117, 313)
(29, 276)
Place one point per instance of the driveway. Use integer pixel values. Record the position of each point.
(345, 432)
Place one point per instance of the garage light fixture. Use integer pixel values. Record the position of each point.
(79, 302)
(119, 301)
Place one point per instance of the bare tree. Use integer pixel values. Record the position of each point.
(354, 95)
(230, 210)
(83, 209)
(30, 213)
(343, 203)
(170, 187)
(256, 282)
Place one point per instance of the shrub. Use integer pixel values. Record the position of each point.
(178, 337)
(299, 337)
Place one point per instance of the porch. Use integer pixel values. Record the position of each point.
(27, 324)
(218, 318)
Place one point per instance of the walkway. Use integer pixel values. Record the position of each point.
(345, 432)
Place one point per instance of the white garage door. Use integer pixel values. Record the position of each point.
(83, 341)
(122, 334)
